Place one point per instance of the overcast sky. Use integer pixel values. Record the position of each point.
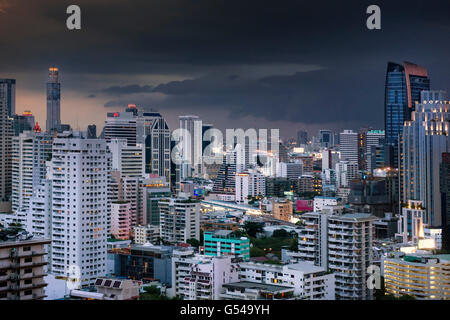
(235, 63)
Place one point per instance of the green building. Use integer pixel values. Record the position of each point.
(226, 242)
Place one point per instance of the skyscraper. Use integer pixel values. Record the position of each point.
(349, 146)
(23, 122)
(53, 100)
(7, 107)
(402, 90)
(79, 217)
(326, 138)
(8, 95)
(302, 137)
(424, 139)
(192, 144)
(445, 199)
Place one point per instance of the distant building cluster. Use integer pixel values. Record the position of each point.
(108, 214)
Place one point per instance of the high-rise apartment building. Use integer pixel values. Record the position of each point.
(22, 267)
(424, 139)
(250, 183)
(350, 240)
(147, 128)
(192, 146)
(30, 153)
(79, 184)
(53, 100)
(302, 137)
(179, 219)
(349, 145)
(326, 138)
(6, 133)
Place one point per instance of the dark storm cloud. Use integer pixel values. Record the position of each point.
(129, 89)
(192, 37)
(303, 96)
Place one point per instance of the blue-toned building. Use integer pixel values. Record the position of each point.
(226, 242)
(404, 83)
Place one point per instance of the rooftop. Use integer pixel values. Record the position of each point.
(257, 286)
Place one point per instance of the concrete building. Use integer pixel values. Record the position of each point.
(118, 289)
(345, 172)
(290, 170)
(121, 219)
(250, 183)
(79, 206)
(282, 209)
(30, 153)
(322, 202)
(425, 277)
(313, 240)
(53, 100)
(150, 190)
(22, 267)
(225, 242)
(350, 241)
(349, 146)
(145, 234)
(308, 281)
(129, 160)
(180, 219)
(7, 97)
(199, 277)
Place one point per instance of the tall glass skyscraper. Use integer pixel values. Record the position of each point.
(53, 100)
(402, 91)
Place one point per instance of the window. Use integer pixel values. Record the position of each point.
(26, 248)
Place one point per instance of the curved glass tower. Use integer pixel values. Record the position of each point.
(402, 90)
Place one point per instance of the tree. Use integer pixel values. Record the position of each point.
(253, 228)
(257, 252)
(281, 233)
(194, 242)
(294, 245)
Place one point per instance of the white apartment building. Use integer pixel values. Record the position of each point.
(349, 146)
(321, 202)
(30, 152)
(249, 183)
(329, 159)
(39, 214)
(179, 219)
(345, 172)
(199, 277)
(129, 160)
(148, 233)
(313, 240)
(350, 239)
(79, 184)
(308, 281)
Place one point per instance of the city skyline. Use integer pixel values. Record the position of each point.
(173, 65)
